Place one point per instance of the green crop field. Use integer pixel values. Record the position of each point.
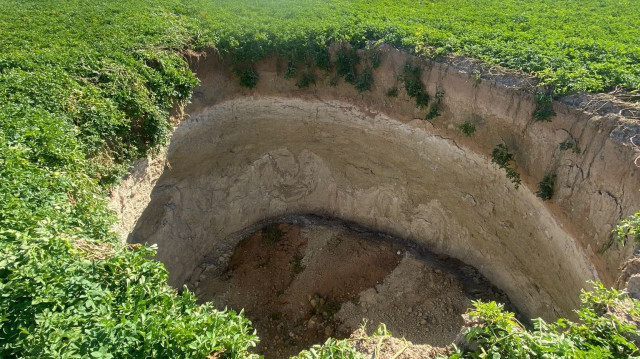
(571, 45)
(87, 86)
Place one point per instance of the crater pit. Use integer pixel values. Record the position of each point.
(303, 279)
(246, 159)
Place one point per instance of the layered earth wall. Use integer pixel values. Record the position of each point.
(244, 156)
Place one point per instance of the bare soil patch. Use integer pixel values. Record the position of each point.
(302, 283)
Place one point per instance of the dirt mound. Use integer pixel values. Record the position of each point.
(384, 346)
(300, 284)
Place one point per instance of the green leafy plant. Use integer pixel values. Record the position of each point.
(392, 92)
(247, 75)
(412, 79)
(291, 70)
(628, 228)
(61, 294)
(544, 107)
(567, 59)
(331, 349)
(572, 145)
(374, 57)
(346, 62)
(296, 264)
(599, 334)
(322, 58)
(501, 156)
(307, 79)
(434, 109)
(433, 112)
(364, 80)
(272, 233)
(467, 128)
(477, 77)
(545, 187)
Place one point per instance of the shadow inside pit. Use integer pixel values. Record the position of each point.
(302, 279)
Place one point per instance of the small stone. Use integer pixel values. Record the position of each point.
(410, 310)
(398, 253)
(313, 303)
(311, 323)
(633, 286)
(328, 331)
(423, 322)
(291, 335)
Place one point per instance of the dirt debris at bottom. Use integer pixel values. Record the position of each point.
(382, 346)
(301, 283)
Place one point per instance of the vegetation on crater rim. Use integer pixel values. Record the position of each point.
(87, 86)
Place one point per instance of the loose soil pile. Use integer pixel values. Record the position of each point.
(302, 283)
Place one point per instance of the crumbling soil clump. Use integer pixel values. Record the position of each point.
(300, 284)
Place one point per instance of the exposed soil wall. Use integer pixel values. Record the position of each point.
(244, 156)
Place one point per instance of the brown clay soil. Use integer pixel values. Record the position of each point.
(300, 284)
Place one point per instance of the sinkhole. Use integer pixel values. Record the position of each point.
(315, 210)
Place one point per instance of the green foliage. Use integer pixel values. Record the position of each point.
(322, 59)
(412, 78)
(503, 159)
(572, 145)
(272, 233)
(346, 61)
(364, 80)
(545, 187)
(247, 75)
(64, 298)
(296, 264)
(331, 349)
(433, 112)
(435, 107)
(467, 128)
(571, 46)
(375, 58)
(628, 228)
(307, 79)
(544, 107)
(291, 71)
(85, 88)
(513, 176)
(477, 77)
(392, 91)
(599, 334)
(501, 156)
